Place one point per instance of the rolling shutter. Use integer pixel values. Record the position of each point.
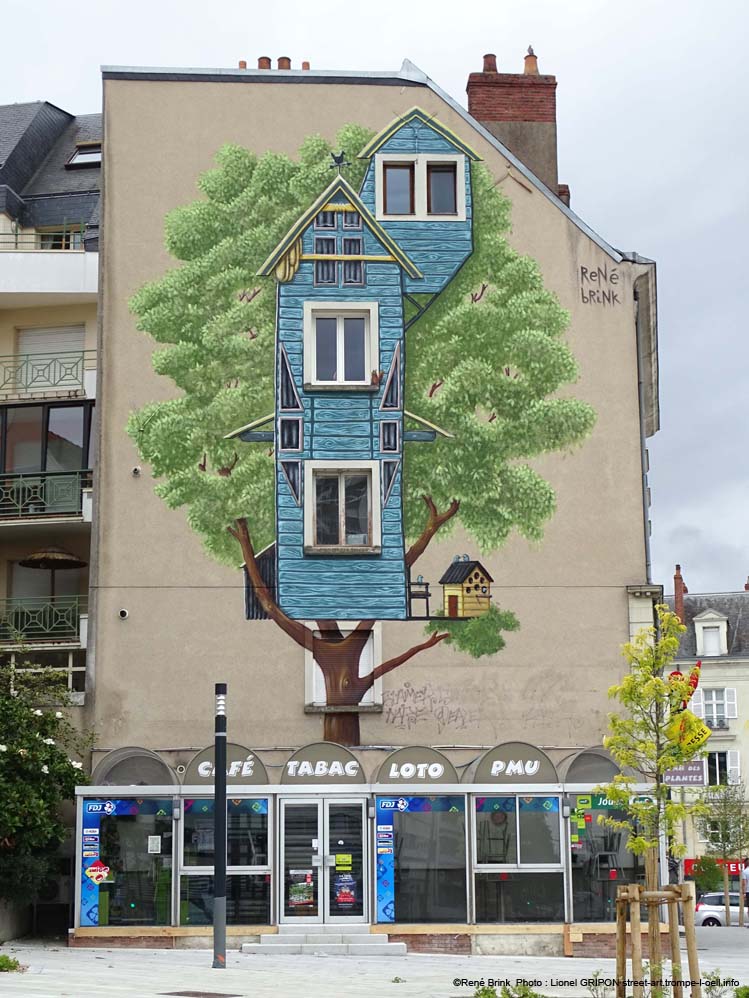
(62, 339)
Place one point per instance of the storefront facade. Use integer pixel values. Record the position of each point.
(409, 842)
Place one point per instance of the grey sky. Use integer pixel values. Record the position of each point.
(653, 141)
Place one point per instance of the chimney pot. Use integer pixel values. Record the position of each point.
(284, 62)
(531, 63)
(490, 63)
(263, 62)
(242, 64)
(305, 66)
(746, 585)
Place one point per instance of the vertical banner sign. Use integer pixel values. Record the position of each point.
(385, 838)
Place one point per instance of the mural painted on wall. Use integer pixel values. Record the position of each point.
(364, 363)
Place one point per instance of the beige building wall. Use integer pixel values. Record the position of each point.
(154, 671)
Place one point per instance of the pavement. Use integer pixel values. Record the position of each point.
(54, 971)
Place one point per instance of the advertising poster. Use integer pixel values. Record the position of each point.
(344, 891)
(301, 888)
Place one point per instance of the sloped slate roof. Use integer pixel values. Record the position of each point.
(460, 570)
(734, 606)
(14, 120)
(52, 177)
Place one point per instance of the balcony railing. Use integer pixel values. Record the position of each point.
(43, 493)
(51, 239)
(42, 373)
(25, 619)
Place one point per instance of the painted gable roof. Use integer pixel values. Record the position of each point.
(417, 114)
(459, 571)
(339, 187)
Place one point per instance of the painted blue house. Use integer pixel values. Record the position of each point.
(345, 271)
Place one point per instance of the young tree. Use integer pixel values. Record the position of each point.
(486, 361)
(725, 828)
(645, 741)
(36, 777)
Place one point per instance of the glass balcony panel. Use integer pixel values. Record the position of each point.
(65, 439)
(23, 444)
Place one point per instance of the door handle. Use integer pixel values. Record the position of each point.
(330, 860)
(317, 860)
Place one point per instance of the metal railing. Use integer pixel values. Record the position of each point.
(30, 618)
(32, 373)
(51, 239)
(43, 493)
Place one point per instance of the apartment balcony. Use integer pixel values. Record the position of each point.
(52, 265)
(46, 497)
(68, 374)
(50, 621)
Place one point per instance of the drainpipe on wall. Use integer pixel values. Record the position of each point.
(643, 444)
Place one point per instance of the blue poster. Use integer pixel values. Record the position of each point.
(386, 842)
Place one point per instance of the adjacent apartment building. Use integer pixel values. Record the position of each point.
(50, 167)
(453, 791)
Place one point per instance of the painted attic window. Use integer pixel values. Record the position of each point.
(389, 471)
(325, 220)
(398, 188)
(391, 398)
(353, 270)
(351, 220)
(290, 432)
(292, 471)
(442, 189)
(389, 436)
(289, 397)
(326, 271)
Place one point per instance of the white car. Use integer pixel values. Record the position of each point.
(711, 909)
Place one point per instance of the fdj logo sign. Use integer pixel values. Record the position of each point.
(107, 808)
(394, 805)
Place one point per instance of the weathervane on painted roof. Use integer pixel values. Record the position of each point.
(339, 161)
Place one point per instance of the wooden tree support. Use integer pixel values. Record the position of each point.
(629, 898)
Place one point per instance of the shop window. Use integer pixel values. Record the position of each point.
(421, 869)
(246, 833)
(504, 823)
(496, 831)
(599, 860)
(247, 900)
(519, 897)
(127, 862)
(538, 821)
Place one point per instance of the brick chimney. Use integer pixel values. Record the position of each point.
(746, 585)
(680, 591)
(520, 109)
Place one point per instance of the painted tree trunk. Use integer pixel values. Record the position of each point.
(339, 663)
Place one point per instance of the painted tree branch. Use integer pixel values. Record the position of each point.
(296, 630)
(393, 663)
(435, 520)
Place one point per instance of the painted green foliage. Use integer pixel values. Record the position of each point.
(496, 361)
(484, 362)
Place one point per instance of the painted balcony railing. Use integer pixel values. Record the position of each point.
(43, 493)
(41, 373)
(25, 619)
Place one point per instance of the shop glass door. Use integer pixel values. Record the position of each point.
(323, 860)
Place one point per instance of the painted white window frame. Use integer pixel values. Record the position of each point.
(708, 619)
(314, 684)
(342, 310)
(733, 766)
(291, 419)
(397, 449)
(420, 162)
(371, 468)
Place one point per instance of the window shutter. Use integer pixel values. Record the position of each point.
(51, 341)
(697, 703)
(731, 702)
(734, 772)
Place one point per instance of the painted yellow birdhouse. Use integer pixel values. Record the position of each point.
(466, 588)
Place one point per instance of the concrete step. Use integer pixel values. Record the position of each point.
(321, 927)
(288, 938)
(380, 948)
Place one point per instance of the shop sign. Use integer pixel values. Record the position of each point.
(735, 866)
(688, 774)
(417, 764)
(515, 762)
(322, 762)
(242, 767)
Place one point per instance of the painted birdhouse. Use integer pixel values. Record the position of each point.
(466, 588)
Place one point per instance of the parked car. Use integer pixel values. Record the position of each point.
(711, 909)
